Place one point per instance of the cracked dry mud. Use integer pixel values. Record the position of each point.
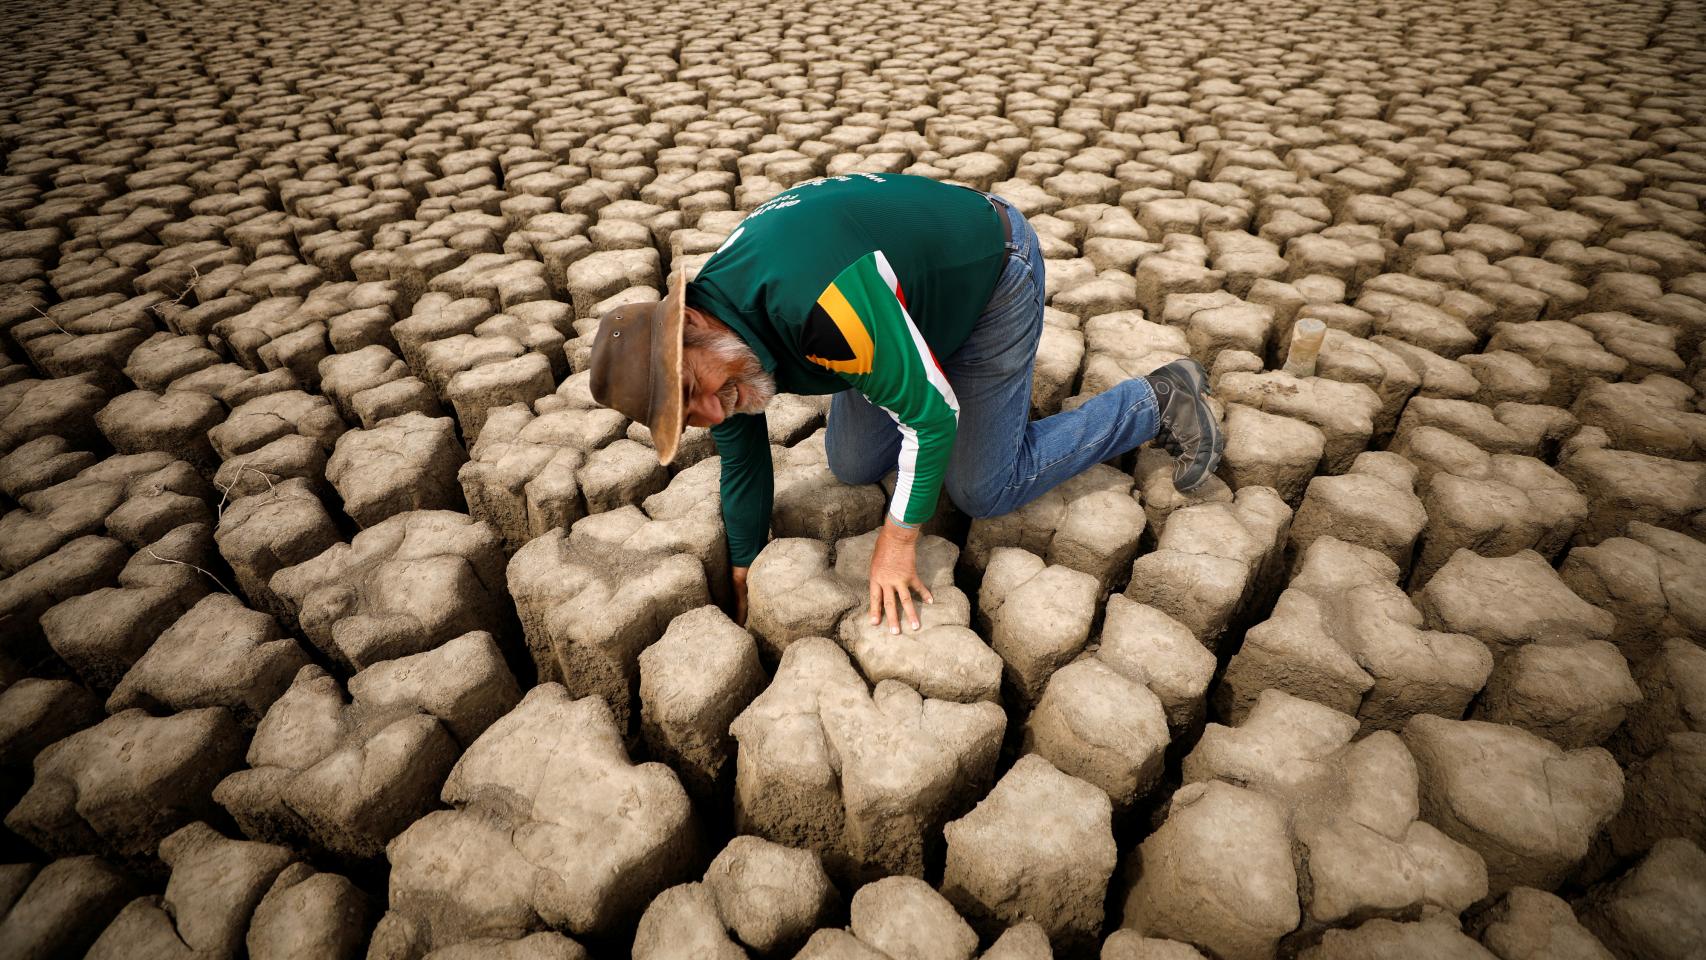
(337, 621)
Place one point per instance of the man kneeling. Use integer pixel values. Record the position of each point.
(919, 305)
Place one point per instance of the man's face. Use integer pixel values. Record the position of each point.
(720, 377)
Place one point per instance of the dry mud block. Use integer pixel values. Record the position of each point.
(41, 463)
(1039, 847)
(1060, 356)
(1529, 807)
(1267, 450)
(527, 474)
(347, 777)
(904, 919)
(1161, 499)
(865, 777)
(1436, 939)
(1623, 488)
(403, 586)
(439, 315)
(1217, 321)
(260, 534)
(1214, 561)
(1347, 812)
(810, 502)
(790, 418)
(274, 436)
(694, 681)
(1656, 911)
(1647, 347)
(63, 407)
(1575, 695)
(119, 787)
(1531, 924)
(1556, 674)
(1344, 634)
(1121, 345)
(64, 908)
(1652, 417)
(307, 914)
(794, 591)
(209, 901)
(373, 384)
(1524, 429)
(175, 422)
(1352, 359)
(552, 826)
(218, 654)
(1651, 580)
(474, 373)
(164, 358)
(35, 713)
(1665, 797)
(1493, 504)
(593, 596)
(1569, 354)
(1372, 505)
(1037, 617)
(1145, 646)
(1345, 413)
(134, 498)
(1510, 601)
(1673, 699)
(1091, 523)
(100, 633)
(286, 332)
(547, 945)
(756, 895)
(99, 607)
(1131, 945)
(405, 463)
(685, 922)
(1097, 719)
(1217, 874)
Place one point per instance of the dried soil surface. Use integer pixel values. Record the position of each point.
(337, 621)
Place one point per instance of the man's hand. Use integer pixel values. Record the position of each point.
(738, 574)
(894, 576)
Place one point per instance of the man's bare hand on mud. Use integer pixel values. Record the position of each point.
(894, 577)
(738, 574)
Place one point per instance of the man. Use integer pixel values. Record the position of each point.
(918, 305)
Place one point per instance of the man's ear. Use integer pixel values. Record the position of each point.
(696, 319)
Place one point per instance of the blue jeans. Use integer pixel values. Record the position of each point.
(1002, 459)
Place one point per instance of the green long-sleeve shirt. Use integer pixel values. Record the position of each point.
(857, 282)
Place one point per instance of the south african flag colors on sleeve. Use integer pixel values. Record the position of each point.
(860, 329)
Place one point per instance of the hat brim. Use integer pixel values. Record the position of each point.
(667, 411)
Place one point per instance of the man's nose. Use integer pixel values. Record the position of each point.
(708, 408)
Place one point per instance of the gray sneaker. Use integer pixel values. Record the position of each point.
(1188, 427)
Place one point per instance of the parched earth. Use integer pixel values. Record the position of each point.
(338, 621)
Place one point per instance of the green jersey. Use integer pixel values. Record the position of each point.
(858, 282)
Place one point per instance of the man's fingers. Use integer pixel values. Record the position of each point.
(911, 612)
(923, 591)
(889, 612)
(876, 603)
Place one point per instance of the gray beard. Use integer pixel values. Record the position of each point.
(760, 388)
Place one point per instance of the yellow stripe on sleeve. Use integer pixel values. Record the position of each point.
(834, 303)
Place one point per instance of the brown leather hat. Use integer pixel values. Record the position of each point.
(636, 364)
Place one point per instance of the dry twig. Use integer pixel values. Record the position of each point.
(225, 491)
(186, 563)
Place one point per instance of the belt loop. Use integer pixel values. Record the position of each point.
(1001, 214)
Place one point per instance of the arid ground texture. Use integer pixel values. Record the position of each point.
(338, 621)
